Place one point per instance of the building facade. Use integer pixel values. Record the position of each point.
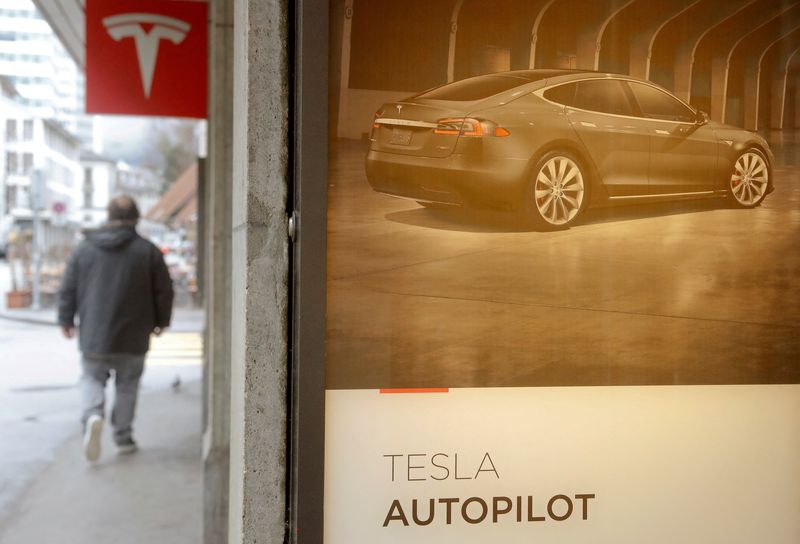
(47, 79)
(104, 178)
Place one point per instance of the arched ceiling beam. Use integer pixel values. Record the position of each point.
(684, 58)
(535, 31)
(344, 69)
(746, 60)
(780, 82)
(725, 43)
(451, 48)
(752, 80)
(642, 42)
(590, 39)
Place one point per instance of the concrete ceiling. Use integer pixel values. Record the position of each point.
(66, 17)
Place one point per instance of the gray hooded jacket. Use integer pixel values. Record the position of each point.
(119, 286)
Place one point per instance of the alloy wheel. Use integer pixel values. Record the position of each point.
(750, 178)
(559, 190)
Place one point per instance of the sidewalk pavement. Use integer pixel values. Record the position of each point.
(152, 496)
(183, 319)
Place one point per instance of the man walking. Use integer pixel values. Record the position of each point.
(119, 286)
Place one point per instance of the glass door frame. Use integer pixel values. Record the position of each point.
(308, 226)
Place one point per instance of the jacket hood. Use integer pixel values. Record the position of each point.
(111, 238)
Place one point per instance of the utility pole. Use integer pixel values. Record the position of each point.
(37, 197)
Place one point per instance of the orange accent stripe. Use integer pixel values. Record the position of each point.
(416, 390)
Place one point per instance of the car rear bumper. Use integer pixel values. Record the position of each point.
(458, 179)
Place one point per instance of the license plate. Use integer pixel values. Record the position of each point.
(400, 136)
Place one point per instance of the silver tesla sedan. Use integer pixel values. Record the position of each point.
(551, 143)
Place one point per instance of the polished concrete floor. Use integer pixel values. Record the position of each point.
(687, 293)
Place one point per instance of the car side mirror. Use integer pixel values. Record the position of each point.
(701, 118)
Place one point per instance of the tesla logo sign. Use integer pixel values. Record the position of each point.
(146, 57)
(132, 25)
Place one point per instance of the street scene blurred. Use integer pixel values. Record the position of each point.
(59, 167)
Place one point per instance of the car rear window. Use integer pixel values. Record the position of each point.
(475, 88)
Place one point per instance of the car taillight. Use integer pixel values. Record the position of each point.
(375, 119)
(467, 126)
(459, 125)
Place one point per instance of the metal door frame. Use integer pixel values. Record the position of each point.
(309, 159)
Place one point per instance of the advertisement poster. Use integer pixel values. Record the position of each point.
(563, 264)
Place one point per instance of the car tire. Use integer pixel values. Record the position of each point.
(557, 192)
(749, 181)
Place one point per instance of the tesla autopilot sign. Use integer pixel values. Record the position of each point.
(146, 57)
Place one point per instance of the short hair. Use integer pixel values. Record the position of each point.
(123, 208)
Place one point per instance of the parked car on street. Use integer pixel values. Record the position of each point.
(552, 143)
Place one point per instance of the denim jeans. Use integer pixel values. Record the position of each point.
(127, 371)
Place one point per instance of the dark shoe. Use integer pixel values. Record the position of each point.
(126, 447)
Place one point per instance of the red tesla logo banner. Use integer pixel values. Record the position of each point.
(147, 57)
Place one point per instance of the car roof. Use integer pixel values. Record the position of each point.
(545, 73)
(563, 74)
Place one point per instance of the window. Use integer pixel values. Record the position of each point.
(657, 104)
(11, 162)
(563, 94)
(475, 88)
(27, 129)
(27, 162)
(88, 188)
(11, 130)
(603, 95)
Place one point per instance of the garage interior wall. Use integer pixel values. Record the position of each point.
(733, 59)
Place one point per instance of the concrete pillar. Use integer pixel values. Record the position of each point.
(720, 67)
(684, 63)
(796, 99)
(590, 39)
(259, 277)
(216, 435)
(750, 96)
(777, 97)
